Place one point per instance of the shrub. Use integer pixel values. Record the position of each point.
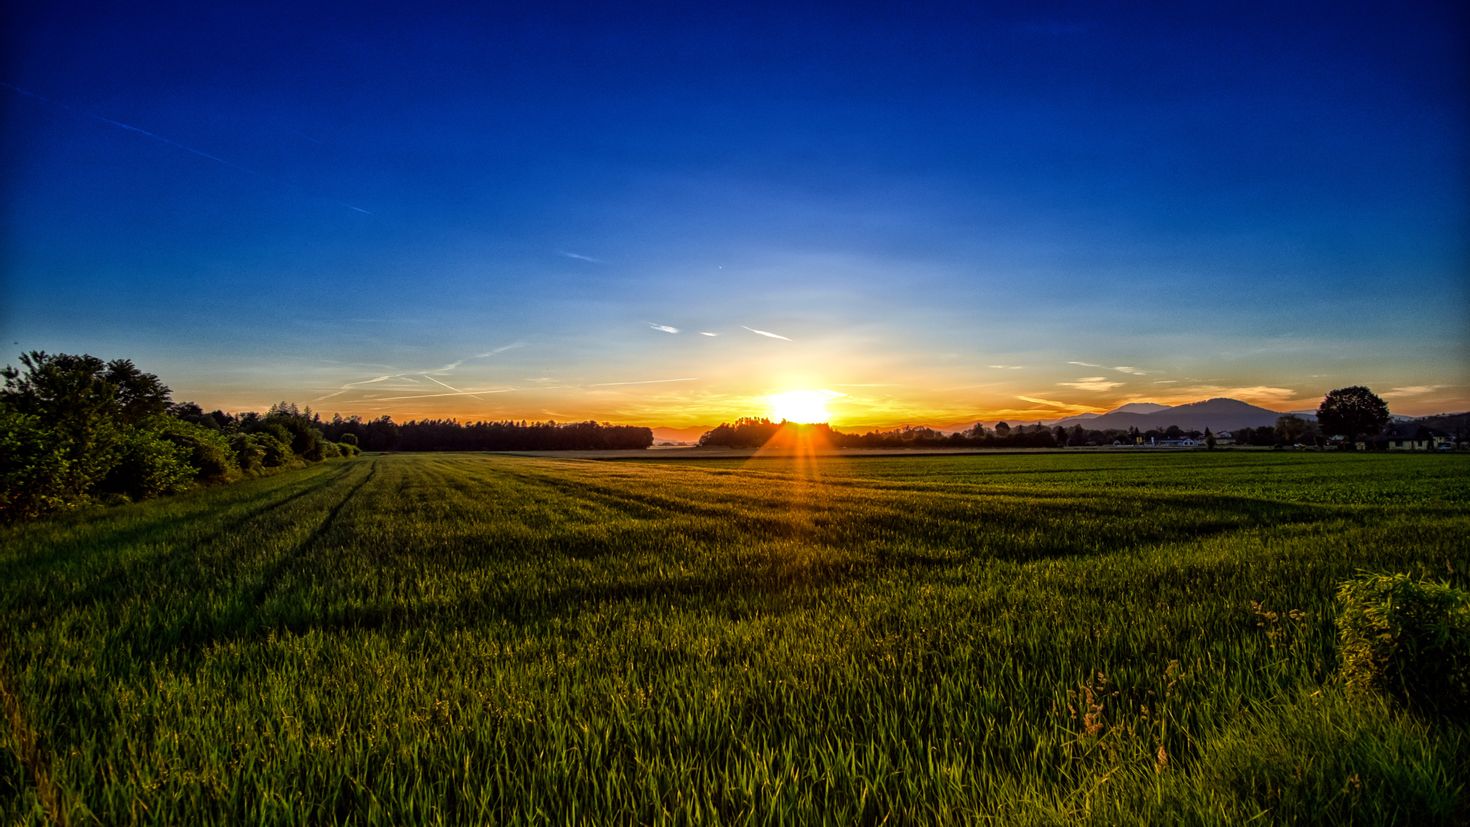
(249, 453)
(208, 451)
(276, 452)
(148, 464)
(329, 449)
(1409, 639)
(348, 449)
(348, 439)
(33, 469)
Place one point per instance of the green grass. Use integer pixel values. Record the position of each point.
(487, 639)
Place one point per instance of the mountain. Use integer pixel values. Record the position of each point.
(1218, 414)
(1132, 407)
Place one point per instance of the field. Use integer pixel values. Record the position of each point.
(464, 638)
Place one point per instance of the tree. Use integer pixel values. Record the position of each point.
(1352, 412)
(85, 407)
(1289, 429)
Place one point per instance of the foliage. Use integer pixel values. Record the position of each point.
(1352, 412)
(1407, 638)
(276, 452)
(33, 468)
(1104, 638)
(149, 464)
(248, 452)
(209, 452)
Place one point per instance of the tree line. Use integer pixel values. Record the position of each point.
(1345, 416)
(76, 430)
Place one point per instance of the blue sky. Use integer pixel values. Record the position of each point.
(946, 213)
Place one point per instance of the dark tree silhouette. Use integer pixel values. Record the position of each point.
(1352, 412)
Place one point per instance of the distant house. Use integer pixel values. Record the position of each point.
(1182, 442)
(1409, 437)
(1409, 444)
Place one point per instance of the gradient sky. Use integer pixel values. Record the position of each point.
(945, 213)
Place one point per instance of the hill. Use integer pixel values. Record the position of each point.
(1219, 414)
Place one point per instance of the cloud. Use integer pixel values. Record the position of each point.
(438, 395)
(1005, 367)
(768, 334)
(644, 382)
(1091, 383)
(1166, 381)
(663, 328)
(1085, 364)
(579, 257)
(1132, 370)
(707, 333)
(1413, 390)
(1047, 402)
(501, 349)
(451, 387)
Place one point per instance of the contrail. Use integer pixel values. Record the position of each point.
(767, 334)
(438, 395)
(643, 382)
(580, 257)
(165, 141)
(451, 387)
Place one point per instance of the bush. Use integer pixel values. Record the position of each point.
(348, 449)
(329, 450)
(149, 464)
(348, 439)
(276, 452)
(208, 451)
(1409, 639)
(33, 469)
(249, 454)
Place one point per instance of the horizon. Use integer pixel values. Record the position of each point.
(667, 218)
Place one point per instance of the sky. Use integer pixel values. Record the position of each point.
(663, 215)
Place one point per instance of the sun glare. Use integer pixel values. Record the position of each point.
(805, 407)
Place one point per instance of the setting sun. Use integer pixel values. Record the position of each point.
(804, 407)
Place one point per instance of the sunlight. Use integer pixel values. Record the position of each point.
(805, 407)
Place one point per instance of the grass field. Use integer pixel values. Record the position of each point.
(487, 639)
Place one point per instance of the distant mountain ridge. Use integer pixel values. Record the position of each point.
(1218, 414)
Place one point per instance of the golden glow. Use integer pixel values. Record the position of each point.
(805, 407)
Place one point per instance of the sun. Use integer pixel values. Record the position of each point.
(805, 407)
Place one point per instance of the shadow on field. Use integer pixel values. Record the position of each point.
(154, 570)
(774, 574)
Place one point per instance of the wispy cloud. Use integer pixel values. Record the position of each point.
(643, 382)
(503, 348)
(1132, 370)
(1005, 367)
(579, 257)
(440, 395)
(451, 387)
(1091, 383)
(1085, 364)
(662, 328)
(768, 334)
(1166, 381)
(707, 333)
(1047, 402)
(1412, 390)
